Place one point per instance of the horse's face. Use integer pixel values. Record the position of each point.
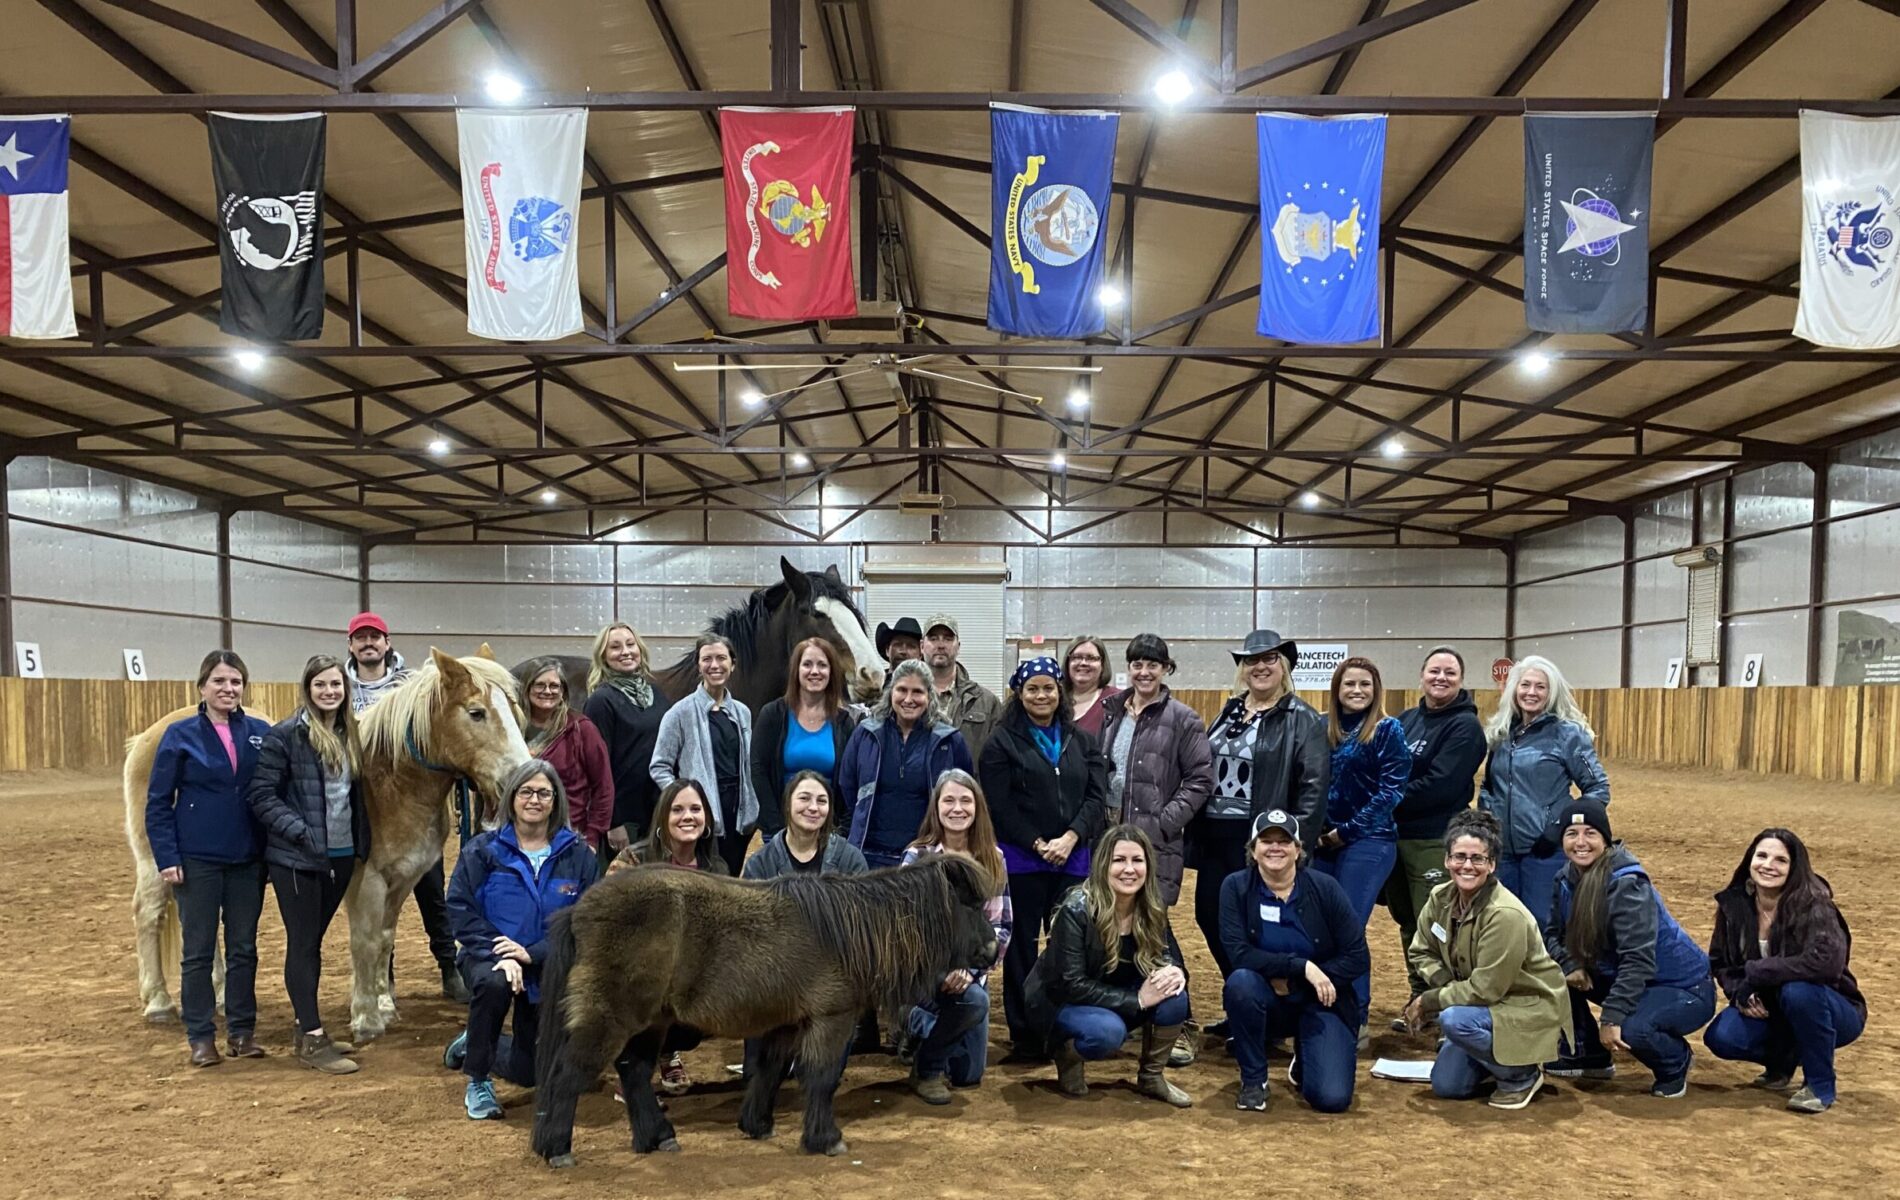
(820, 606)
(972, 937)
(475, 727)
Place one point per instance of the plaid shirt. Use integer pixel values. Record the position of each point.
(998, 909)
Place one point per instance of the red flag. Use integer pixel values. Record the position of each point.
(788, 213)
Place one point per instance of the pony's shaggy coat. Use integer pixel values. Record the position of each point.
(792, 962)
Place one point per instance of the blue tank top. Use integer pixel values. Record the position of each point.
(808, 751)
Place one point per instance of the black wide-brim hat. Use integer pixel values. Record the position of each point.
(904, 627)
(1260, 641)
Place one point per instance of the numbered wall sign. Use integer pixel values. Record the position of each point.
(1672, 674)
(26, 657)
(1121, 679)
(1751, 671)
(135, 665)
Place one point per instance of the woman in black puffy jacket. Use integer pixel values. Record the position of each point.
(307, 796)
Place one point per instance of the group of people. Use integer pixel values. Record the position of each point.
(1536, 945)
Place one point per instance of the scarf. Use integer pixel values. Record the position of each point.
(636, 688)
(1048, 740)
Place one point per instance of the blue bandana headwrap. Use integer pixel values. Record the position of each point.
(1029, 669)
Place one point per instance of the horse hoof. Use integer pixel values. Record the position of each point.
(838, 1147)
(161, 1016)
(561, 1161)
(669, 1146)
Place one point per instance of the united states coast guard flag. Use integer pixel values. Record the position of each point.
(521, 194)
(788, 212)
(1850, 173)
(36, 283)
(1319, 214)
(1049, 189)
(1586, 222)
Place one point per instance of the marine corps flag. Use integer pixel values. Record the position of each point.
(1850, 180)
(1586, 222)
(267, 172)
(521, 196)
(1049, 186)
(788, 213)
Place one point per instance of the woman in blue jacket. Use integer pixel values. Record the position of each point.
(206, 846)
(1620, 948)
(892, 760)
(1541, 746)
(1370, 764)
(507, 884)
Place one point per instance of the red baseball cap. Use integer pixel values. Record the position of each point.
(367, 620)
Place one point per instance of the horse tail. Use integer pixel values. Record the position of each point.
(555, 1093)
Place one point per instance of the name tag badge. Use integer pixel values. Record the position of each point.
(1438, 931)
(1270, 913)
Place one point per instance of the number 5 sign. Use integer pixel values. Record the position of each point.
(135, 665)
(26, 656)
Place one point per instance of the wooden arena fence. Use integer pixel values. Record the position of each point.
(1828, 733)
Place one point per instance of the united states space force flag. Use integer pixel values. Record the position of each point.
(267, 175)
(1586, 222)
(1049, 186)
(521, 194)
(1850, 174)
(36, 283)
(1319, 217)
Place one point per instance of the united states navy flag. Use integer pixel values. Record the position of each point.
(1586, 222)
(1049, 188)
(1319, 213)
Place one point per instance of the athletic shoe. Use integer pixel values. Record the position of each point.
(479, 1101)
(1398, 1025)
(457, 1052)
(1671, 1089)
(1365, 1038)
(1219, 1030)
(1519, 1098)
(1252, 1098)
(1185, 1046)
(1769, 1081)
(673, 1080)
(1805, 1101)
(1580, 1068)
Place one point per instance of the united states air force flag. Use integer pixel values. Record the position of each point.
(1049, 196)
(1850, 180)
(1586, 222)
(1319, 210)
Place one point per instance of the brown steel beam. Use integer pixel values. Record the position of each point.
(1348, 39)
(410, 39)
(218, 35)
(1171, 44)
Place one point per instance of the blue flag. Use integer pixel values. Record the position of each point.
(1586, 222)
(1319, 219)
(1049, 184)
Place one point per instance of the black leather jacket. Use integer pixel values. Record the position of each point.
(1073, 969)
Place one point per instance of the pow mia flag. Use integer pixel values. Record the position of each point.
(268, 172)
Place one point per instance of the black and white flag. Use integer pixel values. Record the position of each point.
(1586, 222)
(268, 172)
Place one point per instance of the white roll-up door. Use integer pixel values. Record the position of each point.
(971, 592)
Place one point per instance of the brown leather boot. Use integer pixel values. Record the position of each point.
(1071, 1074)
(204, 1053)
(1156, 1046)
(317, 1051)
(243, 1045)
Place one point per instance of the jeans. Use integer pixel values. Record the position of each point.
(1033, 898)
(1531, 878)
(1099, 1032)
(1656, 1032)
(732, 851)
(1328, 1050)
(958, 1045)
(1361, 868)
(1464, 1056)
(1419, 869)
(307, 900)
(877, 858)
(1219, 848)
(1806, 1023)
(489, 1050)
(214, 894)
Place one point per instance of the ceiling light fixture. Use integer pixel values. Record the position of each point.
(439, 447)
(1172, 87)
(1109, 295)
(1536, 362)
(1393, 448)
(549, 495)
(1058, 461)
(1310, 499)
(751, 398)
(502, 87)
(1078, 400)
(801, 461)
(249, 360)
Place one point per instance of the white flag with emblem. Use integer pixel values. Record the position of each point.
(1850, 177)
(521, 195)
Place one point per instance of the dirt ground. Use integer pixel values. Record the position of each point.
(101, 1104)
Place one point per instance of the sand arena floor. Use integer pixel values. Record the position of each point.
(100, 1104)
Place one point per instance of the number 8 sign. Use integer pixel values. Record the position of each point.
(1751, 671)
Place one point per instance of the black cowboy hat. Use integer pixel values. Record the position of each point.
(1261, 641)
(904, 627)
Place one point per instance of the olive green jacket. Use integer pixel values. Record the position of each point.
(1493, 958)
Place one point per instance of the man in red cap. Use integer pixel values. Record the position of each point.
(375, 667)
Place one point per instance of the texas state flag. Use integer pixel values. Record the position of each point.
(36, 283)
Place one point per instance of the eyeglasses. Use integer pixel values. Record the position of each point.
(1467, 860)
(547, 687)
(532, 793)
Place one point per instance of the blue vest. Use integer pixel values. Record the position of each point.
(1680, 963)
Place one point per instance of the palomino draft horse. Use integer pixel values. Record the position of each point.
(793, 961)
(763, 631)
(454, 719)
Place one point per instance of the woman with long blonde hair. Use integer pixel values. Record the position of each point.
(626, 708)
(1112, 965)
(1541, 747)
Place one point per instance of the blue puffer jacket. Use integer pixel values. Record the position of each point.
(195, 805)
(1643, 946)
(495, 893)
(1529, 775)
(1368, 780)
(858, 769)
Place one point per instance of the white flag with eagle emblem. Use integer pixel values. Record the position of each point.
(1850, 175)
(521, 196)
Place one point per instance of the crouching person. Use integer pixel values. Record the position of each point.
(1111, 965)
(507, 884)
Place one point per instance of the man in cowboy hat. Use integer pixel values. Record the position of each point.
(900, 641)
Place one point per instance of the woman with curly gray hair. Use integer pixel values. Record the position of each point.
(891, 761)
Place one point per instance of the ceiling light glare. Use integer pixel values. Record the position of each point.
(1310, 499)
(1078, 400)
(549, 495)
(1393, 448)
(249, 360)
(1109, 295)
(439, 447)
(801, 461)
(1173, 87)
(751, 398)
(1536, 362)
(502, 87)
(1058, 461)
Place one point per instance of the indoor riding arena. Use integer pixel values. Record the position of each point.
(969, 377)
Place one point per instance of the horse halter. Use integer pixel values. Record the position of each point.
(464, 786)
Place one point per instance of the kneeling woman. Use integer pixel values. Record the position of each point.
(953, 1030)
(1112, 964)
(806, 845)
(1297, 944)
(507, 884)
(1780, 953)
(1498, 996)
(1618, 946)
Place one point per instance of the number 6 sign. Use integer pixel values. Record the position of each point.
(135, 665)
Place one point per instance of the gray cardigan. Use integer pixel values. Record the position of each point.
(773, 859)
(683, 750)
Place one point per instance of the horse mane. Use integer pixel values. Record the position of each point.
(742, 623)
(878, 924)
(408, 709)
